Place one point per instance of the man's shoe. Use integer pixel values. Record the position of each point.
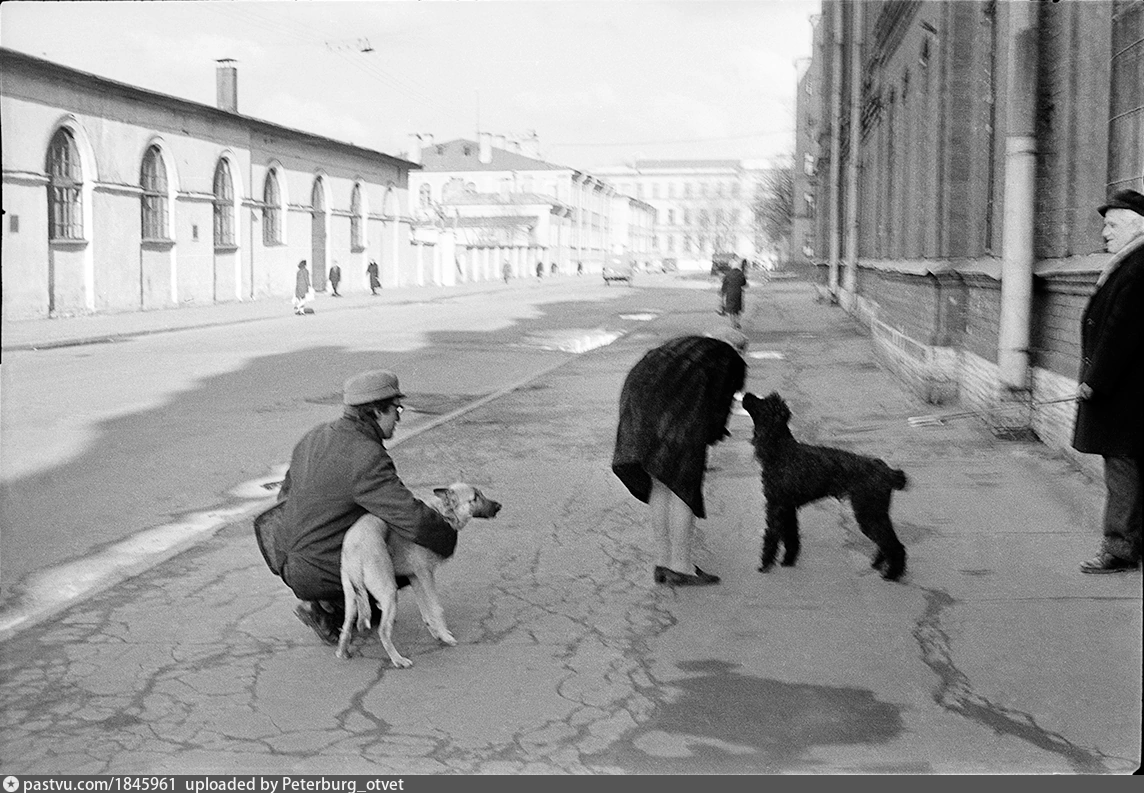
(320, 621)
(1107, 563)
(665, 575)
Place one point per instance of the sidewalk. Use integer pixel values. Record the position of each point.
(993, 655)
(38, 334)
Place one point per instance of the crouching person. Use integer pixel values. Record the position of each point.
(341, 474)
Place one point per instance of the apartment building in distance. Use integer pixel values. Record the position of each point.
(702, 207)
(494, 201)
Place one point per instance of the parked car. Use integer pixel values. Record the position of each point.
(616, 268)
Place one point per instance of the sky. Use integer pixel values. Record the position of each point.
(600, 83)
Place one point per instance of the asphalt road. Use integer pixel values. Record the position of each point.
(993, 655)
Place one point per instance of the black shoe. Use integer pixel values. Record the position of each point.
(320, 621)
(665, 575)
(1107, 563)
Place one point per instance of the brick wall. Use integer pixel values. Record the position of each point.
(1058, 303)
(982, 316)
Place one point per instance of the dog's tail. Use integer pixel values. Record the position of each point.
(898, 479)
(362, 607)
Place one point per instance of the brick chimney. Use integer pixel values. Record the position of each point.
(530, 146)
(414, 154)
(226, 83)
(485, 142)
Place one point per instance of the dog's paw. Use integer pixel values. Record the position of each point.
(345, 654)
(447, 638)
(766, 568)
(401, 662)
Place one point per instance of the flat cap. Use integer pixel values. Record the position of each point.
(1124, 199)
(372, 386)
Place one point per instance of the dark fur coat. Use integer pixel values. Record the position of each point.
(675, 402)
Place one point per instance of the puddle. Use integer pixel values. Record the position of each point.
(573, 341)
(639, 317)
(724, 722)
(767, 355)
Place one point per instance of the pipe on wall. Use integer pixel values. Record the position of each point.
(835, 152)
(1020, 197)
(850, 276)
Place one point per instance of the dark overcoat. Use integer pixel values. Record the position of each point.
(675, 402)
(734, 281)
(1111, 422)
(301, 283)
(338, 472)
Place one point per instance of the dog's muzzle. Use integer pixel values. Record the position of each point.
(486, 508)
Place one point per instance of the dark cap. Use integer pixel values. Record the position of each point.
(361, 389)
(1124, 199)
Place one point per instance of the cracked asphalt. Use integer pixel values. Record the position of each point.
(993, 655)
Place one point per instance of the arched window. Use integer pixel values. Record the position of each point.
(317, 197)
(271, 210)
(223, 206)
(65, 184)
(355, 218)
(153, 179)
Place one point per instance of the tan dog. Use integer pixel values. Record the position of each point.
(369, 567)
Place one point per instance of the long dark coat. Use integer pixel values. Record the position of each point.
(302, 283)
(675, 403)
(733, 284)
(1111, 422)
(338, 472)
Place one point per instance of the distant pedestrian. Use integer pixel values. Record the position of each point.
(302, 289)
(1110, 394)
(335, 278)
(506, 271)
(675, 402)
(374, 283)
(553, 270)
(731, 291)
(579, 268)
(540, 269)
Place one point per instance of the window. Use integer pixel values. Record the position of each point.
(65, 185)
(671, 217)
(355, 219)
(808, 164)
(153, 179)
(271, 210)
(425, 195)
(223, 206)
(1126, 110)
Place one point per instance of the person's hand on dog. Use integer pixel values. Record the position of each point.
(1084, 392)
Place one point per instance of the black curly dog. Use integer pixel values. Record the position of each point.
(795, 474)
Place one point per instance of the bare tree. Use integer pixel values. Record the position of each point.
(774, 207)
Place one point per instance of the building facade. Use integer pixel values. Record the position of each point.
(495, 201)
(702, 207)
(808, 109)
(118, 199)
(963, 150)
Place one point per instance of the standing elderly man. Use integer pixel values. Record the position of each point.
(1110, 411)
(341, 475)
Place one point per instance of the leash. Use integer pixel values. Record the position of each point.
(936, 420)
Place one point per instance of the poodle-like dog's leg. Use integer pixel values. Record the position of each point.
(782, 523)
(872, 511)
(790, 536)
